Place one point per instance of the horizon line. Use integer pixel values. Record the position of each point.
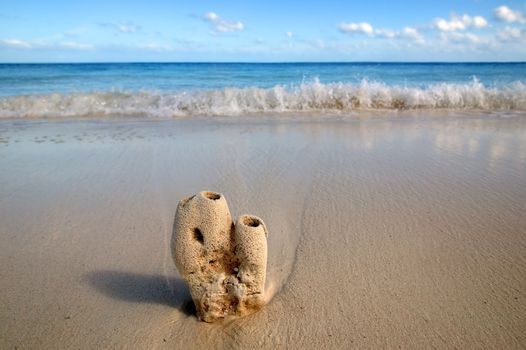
(262, 62)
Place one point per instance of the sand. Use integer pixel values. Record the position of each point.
(404, 231)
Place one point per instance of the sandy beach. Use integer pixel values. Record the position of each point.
(399, 231)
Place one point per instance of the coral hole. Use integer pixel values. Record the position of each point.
(198, 235)
(212, 195)
(251, 221)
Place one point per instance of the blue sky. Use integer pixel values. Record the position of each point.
(244, 30)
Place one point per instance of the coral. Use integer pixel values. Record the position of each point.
(224, 264)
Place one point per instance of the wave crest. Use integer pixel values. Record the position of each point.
(310, 97)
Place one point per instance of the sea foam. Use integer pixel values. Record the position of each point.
(306, 97)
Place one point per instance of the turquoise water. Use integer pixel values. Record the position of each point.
(178, 89)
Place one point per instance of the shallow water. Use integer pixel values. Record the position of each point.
(383, 232)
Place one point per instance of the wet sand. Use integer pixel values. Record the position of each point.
(398, 232)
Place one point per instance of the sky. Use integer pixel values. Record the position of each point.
(262, 31)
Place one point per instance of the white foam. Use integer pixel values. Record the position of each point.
(310, 97)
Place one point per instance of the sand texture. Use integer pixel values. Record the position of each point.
(403, 231)
(224, 265)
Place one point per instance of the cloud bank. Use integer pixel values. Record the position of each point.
(367, 29)
(460, 23)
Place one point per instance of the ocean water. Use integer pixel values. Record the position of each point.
(187, 89)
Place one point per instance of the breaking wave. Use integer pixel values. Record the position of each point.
(308, 97)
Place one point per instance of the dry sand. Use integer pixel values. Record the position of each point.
(396, 232)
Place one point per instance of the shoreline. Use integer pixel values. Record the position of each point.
(360, 115)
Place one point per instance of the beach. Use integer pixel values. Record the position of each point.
(389, 230)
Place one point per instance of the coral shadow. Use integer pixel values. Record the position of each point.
(141, 288)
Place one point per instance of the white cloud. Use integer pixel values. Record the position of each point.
(222, 25)
(15, 43)
(413, 34)
(479, 22)
(75, 45)
(505, 14)
(363, 27)
(510, 34)
(128, 27)
(507, 39)
(43, 44)
(456, 37)
(406, 33)
(289, 34)
(385, 33)
(211, 16)
(155, 47)
(460, 23)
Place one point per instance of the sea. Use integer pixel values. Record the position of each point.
(166, 90)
